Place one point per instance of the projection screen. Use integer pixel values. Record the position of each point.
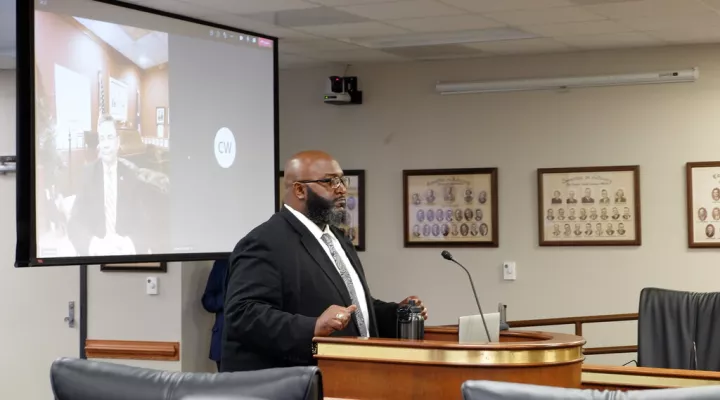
(142, 136)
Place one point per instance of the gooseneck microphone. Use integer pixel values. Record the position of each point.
(446, 255)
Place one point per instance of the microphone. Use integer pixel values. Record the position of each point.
(446, 255)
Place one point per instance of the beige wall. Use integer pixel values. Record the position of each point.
(196, 322)
(404, 124)
(35, 299)
(120, 309)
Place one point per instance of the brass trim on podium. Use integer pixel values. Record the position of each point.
(455, 356)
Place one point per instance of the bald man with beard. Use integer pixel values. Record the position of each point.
(297, 276)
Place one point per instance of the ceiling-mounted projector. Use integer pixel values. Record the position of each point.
(686, 75)
(342, 90)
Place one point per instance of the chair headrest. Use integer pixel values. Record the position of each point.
(78, 379)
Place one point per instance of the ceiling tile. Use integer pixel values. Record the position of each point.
(672, 22)
(649, 8)
(294, 61)
(545, 16)
(359, 29)
(524, 46)
(358, 56)
(314, 46)
(308, 17)
(338, 3)
(247, 24)
(715, 4)
(435, 52)
(252, 6)
(442, 38)
(577, 28)
(613, 40)
(446, 24)
(688, 36)
(402, 9)
(593, 2)
(481, 6)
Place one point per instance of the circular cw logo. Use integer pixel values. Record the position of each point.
(225, 147)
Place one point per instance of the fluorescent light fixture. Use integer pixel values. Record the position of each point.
(441, 38)
(675, 76)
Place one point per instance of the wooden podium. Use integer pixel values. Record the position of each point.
(434, 368)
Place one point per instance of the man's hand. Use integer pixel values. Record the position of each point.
(418, 303)
(335, 318)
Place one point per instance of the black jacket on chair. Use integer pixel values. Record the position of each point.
(280, 279)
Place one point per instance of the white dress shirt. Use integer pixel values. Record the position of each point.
(110, 194)
(317, 233)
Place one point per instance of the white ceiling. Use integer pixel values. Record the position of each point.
(143, 47)
(358, 31)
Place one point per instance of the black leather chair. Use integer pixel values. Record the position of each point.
(675, 330)
(487, 390)
(78, 379)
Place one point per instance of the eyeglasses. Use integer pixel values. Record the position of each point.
(334, 182)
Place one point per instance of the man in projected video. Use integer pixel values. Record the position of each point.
(297, 276)
(112, 214)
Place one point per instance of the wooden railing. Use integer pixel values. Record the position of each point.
(578, 323)
(133, 350)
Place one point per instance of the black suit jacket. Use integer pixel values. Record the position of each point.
(280, 279)
(137, 203)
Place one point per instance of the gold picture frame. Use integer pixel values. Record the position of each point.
(703, 204)
(450, 207)
(589, 206)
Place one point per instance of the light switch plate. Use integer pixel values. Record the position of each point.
(151, 285)
(509, 271)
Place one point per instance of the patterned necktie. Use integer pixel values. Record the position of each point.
(348, 283)
(110, 180)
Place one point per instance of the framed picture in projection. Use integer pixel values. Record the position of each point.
(450, 207)
(703, 203)
(354, 225)
(589, 206)
(135, 267)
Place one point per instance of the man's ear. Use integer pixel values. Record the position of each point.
(299, 191)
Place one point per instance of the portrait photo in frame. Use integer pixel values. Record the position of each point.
(703, 203)
(589, 206)
(354, 227)
(159, 115)
(450, 207)
(135, 267)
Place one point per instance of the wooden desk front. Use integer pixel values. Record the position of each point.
(361, 368)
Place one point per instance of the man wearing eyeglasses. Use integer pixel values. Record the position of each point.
(297, 276)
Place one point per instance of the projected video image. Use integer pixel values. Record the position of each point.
(153, 135)
(102, 138)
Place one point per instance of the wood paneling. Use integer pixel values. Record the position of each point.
(449, 332)
(133, 350)
(636, 378)
(363, 380)
(435, 369)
